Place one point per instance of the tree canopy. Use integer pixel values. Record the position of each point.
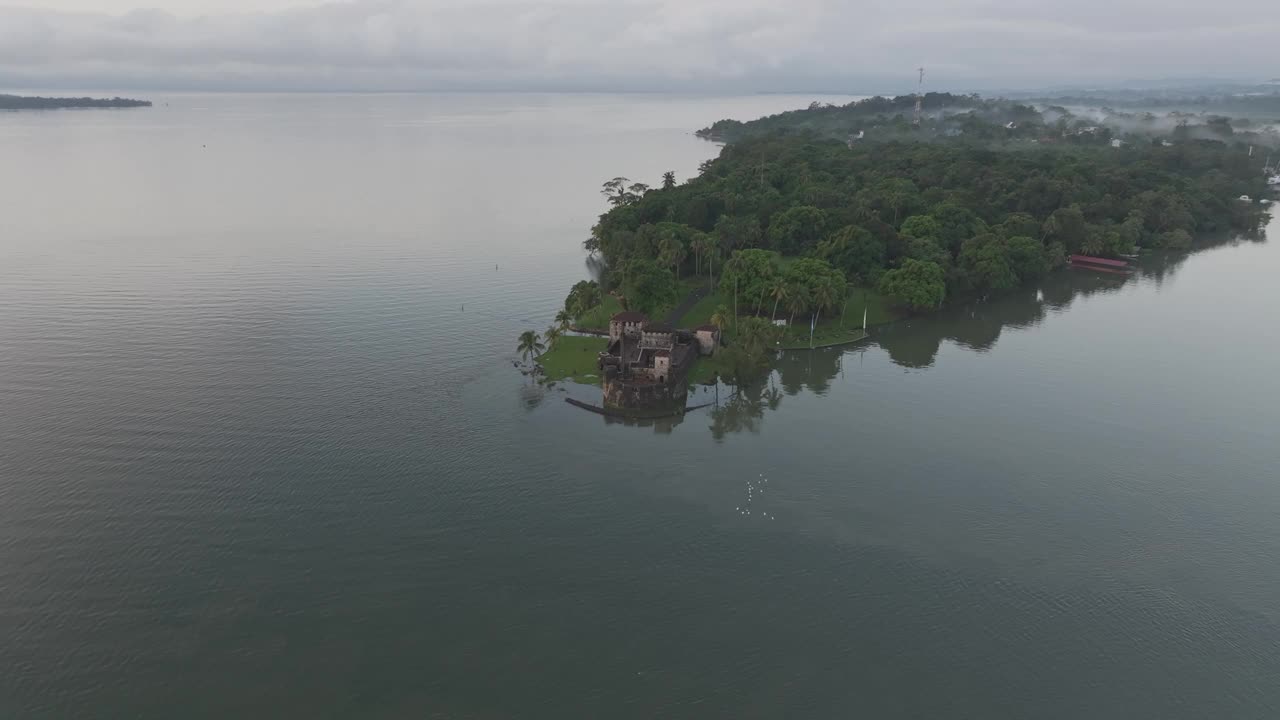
(789, 205)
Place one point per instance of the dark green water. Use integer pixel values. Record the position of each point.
(263, 452)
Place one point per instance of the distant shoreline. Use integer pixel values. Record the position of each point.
(19, 102)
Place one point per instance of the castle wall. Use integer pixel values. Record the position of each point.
(707, 341)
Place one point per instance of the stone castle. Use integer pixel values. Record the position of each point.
(646, 365)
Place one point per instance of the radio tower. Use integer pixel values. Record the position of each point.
(919, 96)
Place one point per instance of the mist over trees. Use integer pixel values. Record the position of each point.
(973, 119)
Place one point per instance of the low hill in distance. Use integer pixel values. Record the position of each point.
(1004, 122)
(18, 102)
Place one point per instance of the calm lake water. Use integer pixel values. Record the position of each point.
(263, 452)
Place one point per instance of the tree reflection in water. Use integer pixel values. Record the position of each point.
(532, 394)
(914, 343)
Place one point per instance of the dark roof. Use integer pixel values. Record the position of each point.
(658, 327)
(711, 328)
(629, 316)
(662, 353)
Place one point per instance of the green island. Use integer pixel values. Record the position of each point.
(812, 220)
(19, 102)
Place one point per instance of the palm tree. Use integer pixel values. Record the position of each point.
(668, 180)
(730, 199)
(564, 320)
(863, 212)
(552, 335)
(720, 317)
(764, 292)
(701, 247)
(679, 253)
(671, 252)
(530, 345)
(1052, 226)
(734, 265)
(778, 291)
(825, 296)
(797, 302)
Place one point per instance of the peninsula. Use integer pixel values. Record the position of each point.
(18, 102)
(810, 220)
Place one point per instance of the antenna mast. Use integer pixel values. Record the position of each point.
(919, 96)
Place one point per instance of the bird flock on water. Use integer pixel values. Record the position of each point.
(753, 489)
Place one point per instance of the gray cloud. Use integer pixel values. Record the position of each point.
(731, 45)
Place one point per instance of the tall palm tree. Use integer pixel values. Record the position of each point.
(671, 252)
(701, 247)
(734, 265)
(668, 180)
(797, 302)
(720, 317)
(530, 345)
(778, 291)
(763, 293)
(1052, 226)
(825, 296)
(564, 320)
(552, 334)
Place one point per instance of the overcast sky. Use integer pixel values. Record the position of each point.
(725, 45)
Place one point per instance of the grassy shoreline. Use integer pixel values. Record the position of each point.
(574, 357)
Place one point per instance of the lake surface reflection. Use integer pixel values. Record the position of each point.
(263, 451)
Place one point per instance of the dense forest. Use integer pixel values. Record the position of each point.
(18, 102)
(983, 196)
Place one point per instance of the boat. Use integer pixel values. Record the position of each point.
(1090, 262)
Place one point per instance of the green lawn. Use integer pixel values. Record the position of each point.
(828, 332)
(573, 358)
(834, 330)
(597, 318)
(879, 311)
(700, 314)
